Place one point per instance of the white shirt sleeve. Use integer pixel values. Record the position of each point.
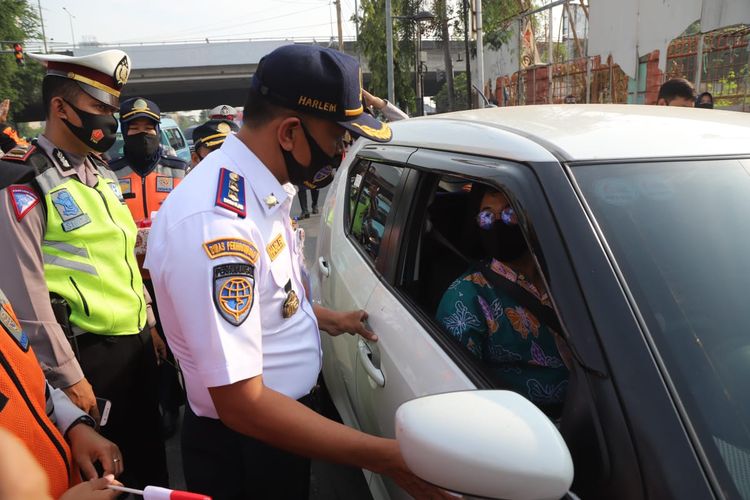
(65, 412)
(214, 300)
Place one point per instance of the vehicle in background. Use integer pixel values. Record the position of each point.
(173, 141)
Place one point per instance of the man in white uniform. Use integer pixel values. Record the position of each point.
(226, 269)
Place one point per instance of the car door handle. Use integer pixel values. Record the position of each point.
(365, 357)
(323, 265)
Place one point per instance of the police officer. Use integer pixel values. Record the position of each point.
(67, 259)
(209, 137)
(226, 270)
(146, 175)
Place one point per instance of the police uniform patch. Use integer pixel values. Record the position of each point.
(62, 160)
(230, 193)
(275, 247)
(72, 215)
(234, 291)
(11, 324)
(23, 199)
(115, 187)
(125, 186)
(164, 184)
(231, 247)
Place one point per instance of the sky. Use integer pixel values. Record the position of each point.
(136, 21)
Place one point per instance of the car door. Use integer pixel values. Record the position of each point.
(344, 268)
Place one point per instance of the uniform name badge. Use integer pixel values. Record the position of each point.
(291, 303)
(234, 291)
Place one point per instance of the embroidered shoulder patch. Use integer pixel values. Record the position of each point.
(11, 324)
(164, 184)
(23, 199)
(234, 291)
(275, 247)
(231, 247)
(230, 193)
(19, 153)
(125, 186)
(72, 215)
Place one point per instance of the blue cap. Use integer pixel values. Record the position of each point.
(321, 82)
(213, 133)
(139, 107)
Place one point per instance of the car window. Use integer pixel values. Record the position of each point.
(175, 138)
(372, 188)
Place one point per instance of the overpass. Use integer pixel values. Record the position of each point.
(186, 76)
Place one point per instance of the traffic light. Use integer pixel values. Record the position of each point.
(18, 52)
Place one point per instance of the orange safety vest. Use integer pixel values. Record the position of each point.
(23, 404)
(146, 194)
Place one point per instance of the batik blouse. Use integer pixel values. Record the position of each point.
(519, 349)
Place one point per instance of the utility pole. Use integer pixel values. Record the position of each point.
(41, 20)
(480, 51)
(356, 31)
(341, 28)
(445, 35)
(468, 52)
(389, 52)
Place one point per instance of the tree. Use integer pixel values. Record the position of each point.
(21, 84)
(372, 45)
(441, 98)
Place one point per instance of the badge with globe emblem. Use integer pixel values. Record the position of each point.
(234, 291)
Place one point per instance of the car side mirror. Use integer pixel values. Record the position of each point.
(492, 444)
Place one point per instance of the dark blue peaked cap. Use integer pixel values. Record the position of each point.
(322, 82)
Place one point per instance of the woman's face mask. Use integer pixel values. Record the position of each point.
(501, 235)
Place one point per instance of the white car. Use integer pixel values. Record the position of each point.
(637, 217)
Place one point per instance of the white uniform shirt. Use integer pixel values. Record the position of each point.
(201, 253)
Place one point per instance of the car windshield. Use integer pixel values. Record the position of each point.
(680, 233)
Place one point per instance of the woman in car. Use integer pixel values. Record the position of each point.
(499, 309)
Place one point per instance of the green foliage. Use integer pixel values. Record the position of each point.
(22, 85)
(496, 21)
(372, 45)
(441, 98)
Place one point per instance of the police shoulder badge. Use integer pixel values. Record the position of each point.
(230, 193)
(23, 199)
(19, 153)
(234, 291)
(11, 324)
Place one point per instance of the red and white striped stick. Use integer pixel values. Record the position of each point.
(157, 493)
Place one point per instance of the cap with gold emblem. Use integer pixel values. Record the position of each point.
(100, 75)
(212, 133)
(322, 82)
(139, 107)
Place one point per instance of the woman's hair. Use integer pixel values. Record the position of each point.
(472, 243)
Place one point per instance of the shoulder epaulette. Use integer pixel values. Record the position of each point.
(230, 193)
(19, 154)
(173, 162)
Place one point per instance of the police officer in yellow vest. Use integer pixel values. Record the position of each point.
(67, 260)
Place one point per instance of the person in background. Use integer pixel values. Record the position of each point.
(9, 137)
(676, 92)
(705, 100)
(209, 137)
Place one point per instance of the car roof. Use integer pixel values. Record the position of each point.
(581, 132)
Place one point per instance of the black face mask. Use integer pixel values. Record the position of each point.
(707, 105)
(503, 241)
(98, 132)
(319, 173)
(142, 151)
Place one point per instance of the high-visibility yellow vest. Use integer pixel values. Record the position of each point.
(88, 252)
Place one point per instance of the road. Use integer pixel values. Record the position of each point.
(327, 481)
